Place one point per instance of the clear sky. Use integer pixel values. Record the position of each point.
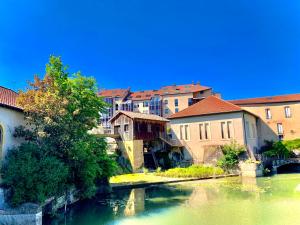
(240, 48)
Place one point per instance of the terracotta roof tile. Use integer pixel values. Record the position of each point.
(143, 116)
(181, 89)
(144, 95)
(122, 93)
(265, 100)
(8, 97)
(207, 106)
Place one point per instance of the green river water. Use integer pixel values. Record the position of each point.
(232, 201)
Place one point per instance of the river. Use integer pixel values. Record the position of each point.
(231, 201)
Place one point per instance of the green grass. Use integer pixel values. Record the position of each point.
(195, 171)
(135, 178)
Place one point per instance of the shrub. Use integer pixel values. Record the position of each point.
(230, 158)
(194, 171)
(279, 149)
(292, 144)
(33, 176)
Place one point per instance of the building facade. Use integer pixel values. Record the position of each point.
(163, 102)
(11, 116)
(139, 137)
(210, 123)
(279, 116)
(213, 122)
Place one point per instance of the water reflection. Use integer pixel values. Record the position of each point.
(232, 201)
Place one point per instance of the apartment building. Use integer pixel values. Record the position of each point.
(279, 116)
(162, 102)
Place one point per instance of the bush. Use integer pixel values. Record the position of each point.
(231, 153)
(194, 171)
(33, 176)
(292, 144)
(280, 149)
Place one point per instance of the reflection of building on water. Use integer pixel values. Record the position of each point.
(136, 202)
(250, 184)
(199, 196)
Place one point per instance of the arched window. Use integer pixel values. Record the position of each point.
(1, 140)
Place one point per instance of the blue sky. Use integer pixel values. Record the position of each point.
(240, 48)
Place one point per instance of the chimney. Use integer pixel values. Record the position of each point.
(193, 83)
(218, 95)
(198, 82)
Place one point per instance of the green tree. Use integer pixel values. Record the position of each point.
(61, 109)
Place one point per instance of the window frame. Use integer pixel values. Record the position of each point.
(206, 134)
(176, 102)
(288, 114)
(268, 113)
(280, 127)
(184, 132)
(225, 131)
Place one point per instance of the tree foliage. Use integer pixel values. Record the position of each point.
(230, 158)
(60, 110)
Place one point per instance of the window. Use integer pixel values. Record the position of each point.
(201, 131)
(268, 114)
(176, 102)
(166, 101)
(287, 111)
(184, 132)
(227, 130)
(176, 110)
(223, 129)
(117, 107)
(149, 128)
(166, 111)
(145, 104)
(204, 131)
(126, 128)
(279, 128)
(190, 101)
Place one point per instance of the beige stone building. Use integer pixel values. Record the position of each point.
(279, 116)
(210, 123)
(11, 116)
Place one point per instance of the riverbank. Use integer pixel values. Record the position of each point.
(138, 180)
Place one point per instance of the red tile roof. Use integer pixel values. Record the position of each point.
(207, 106)
(8, 98)
(265, 100)
(141, 116)
(112, 93)
(144, 95)
(180, 89)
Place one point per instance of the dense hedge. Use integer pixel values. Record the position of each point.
(194, 171)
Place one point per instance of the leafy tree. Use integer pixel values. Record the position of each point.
(60, 110)
(32, 175)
